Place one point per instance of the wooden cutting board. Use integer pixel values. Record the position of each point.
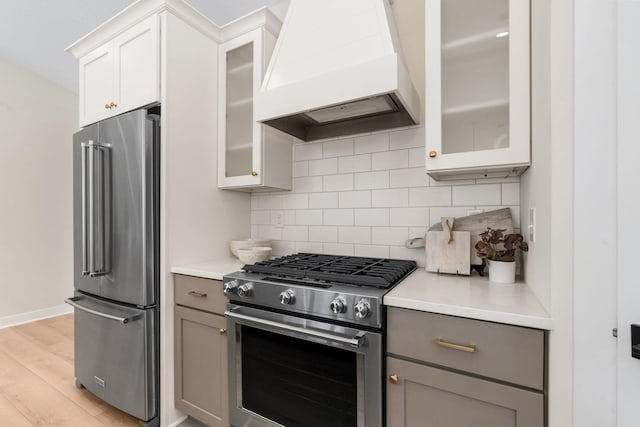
(448, 251)
(476, 224)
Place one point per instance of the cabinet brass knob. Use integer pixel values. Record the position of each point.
(393, 379)
(254, 173)
(432, 154)
(107, 106)
(223, 332)
(113, 104)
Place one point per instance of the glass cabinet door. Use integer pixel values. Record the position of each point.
(477, 99)
(239, 111)
(475, 75)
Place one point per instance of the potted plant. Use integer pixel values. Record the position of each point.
(498, 250)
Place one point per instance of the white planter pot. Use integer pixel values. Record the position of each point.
(502, 272)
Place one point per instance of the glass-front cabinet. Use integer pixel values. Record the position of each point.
(250, 155)
(477, 88)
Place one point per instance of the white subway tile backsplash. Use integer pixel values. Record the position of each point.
(270, 232)
(430, 196)
(410, 177)
(323, 200)
(400, 252)
(310, 247)
(390, 198)
(282, 247)
(289, 217)
(338, 217)
(474, 195)
(295, 201)
(354, 199)
(372, 143)
(360, 163)
(408, 138)
(307, 184)
(367, 195)
(323, 233)
(372, 180)
(307, 151)
(360, 235)
(295, 232)
(511, 193)
(416, 157)
(261, 217)
(323, 167)
(389, 236)
(372, 251)
(446, 212)
(300, 169)
(409, 216)
(309, 217)
(338, 249)
(397, 159)
(338, 148)
(378, 216)
(338, 182)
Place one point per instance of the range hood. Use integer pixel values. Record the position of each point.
(337, 69)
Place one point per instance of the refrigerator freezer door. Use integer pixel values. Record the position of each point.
(116, 359)
(115, 234)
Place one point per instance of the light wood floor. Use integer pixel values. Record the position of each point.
(37, 385)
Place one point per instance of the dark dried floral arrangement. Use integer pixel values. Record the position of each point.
(496, 245)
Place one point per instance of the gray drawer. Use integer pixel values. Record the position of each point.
(508, 353)
(196, 292)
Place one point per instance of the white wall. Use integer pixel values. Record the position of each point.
(365, 195)
(595, 156)
(37, 121)
(548, 187)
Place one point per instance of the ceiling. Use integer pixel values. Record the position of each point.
(34, 33)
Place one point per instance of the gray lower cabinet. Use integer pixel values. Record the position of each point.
(446, 371)
(200, 351)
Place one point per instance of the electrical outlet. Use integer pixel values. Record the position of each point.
(532, 225)
(277, 219)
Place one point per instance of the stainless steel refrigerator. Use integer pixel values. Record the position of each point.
(116, 261)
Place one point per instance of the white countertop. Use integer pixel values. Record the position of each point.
(473, 297)
(213, 269)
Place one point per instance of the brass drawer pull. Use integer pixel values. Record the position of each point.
(393, 379)
(468, 348)
(223, 332)
(197, 294)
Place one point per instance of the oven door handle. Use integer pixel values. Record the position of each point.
(353, 342)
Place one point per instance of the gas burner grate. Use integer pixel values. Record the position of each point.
(358, 271)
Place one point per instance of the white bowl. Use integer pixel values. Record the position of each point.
(234, 245)
(255, 254)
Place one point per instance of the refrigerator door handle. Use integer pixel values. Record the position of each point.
(73, 301)
(85, 198)
(98, 210)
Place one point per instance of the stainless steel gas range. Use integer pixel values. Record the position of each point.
(306, 340)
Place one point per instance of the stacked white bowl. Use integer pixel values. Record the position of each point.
(251, 251)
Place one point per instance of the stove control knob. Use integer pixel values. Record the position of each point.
(245, 290)
(287, 297)
(230, 287)
(338, 305)
(362, 309)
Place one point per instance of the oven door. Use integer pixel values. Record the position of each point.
(290, 371)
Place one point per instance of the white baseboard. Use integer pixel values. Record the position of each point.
(18, 319)
(178, 422)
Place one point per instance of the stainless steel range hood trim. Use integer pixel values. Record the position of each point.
(284, 107)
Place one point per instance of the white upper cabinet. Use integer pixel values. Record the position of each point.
(121, 75)
(251, 156)
(477, 88)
